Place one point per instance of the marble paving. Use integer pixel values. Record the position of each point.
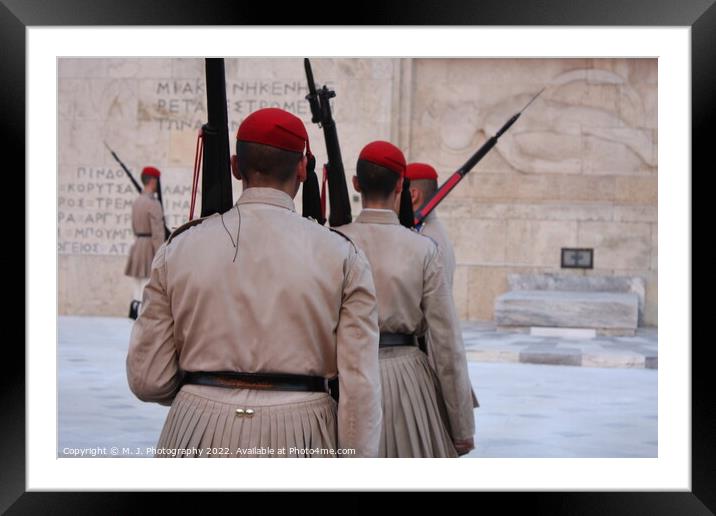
(527, 410)
(96, 407)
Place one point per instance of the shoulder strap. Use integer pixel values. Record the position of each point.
(184, 227)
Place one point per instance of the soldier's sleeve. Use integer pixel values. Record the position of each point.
(450, 266)
(359, 407)
(152, 362)
(447, 349)
(448, 261)
(156, 218)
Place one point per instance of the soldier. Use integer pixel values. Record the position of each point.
(148, 228)
(426, 412)
(249, 312)
(423, 185)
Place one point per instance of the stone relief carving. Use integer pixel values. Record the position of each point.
(558, 134)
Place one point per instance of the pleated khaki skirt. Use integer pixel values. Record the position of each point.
(139, 261)
(218, 422)
(414, 417)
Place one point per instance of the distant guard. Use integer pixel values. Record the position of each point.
(148, 228)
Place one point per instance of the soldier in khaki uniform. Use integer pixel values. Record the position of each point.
(148, 228)
(426, 412)
(423, 184)
(247, 313)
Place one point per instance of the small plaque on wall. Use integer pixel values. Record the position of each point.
(577, 258)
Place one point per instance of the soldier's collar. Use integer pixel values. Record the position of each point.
(270, 196)
(371, 216)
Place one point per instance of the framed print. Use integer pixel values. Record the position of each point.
(65, 59)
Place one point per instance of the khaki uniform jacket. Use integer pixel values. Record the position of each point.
(413, 297)
(147, 219)
(294, 297)
(433, 228)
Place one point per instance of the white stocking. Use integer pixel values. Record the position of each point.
(139, 284)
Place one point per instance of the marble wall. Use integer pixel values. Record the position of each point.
(578, 169)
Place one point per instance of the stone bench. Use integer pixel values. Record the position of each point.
(605, 312)
(607, 305)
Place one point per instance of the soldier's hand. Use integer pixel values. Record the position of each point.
(464, 446)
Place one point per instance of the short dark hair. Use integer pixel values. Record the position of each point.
(427, 186)
(145, 178)
(375, 182)
(270, 162)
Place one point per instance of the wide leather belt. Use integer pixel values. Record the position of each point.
(260, 381)
(142, 234)
(396, 339)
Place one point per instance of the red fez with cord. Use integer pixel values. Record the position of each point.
(276, 128)
(384, 154)
(415, 171)
(151, 171)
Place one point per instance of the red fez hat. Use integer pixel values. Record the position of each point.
(151, 171)
(420, 171)
(384, 154)
(276, 128)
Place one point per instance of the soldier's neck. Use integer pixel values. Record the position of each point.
(289, 189)
(373, 204)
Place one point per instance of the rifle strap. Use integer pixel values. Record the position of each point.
(323, 191)
(198, 157)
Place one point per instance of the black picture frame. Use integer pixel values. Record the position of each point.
(567, 260)
(700, 15)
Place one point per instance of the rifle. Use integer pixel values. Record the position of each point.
(138, 187)
(457, 176)
(216, 196)
(334, 172)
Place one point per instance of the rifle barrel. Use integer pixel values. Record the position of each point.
(309, 76)
(124, 167)
(312, 96)
(533, 99)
